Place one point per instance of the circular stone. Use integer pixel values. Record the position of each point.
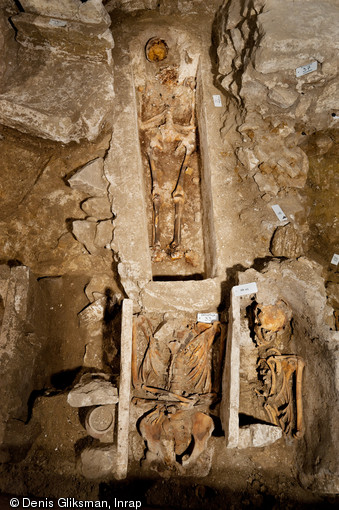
(156, 50)
(100, 419)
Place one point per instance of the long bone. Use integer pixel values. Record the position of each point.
(156, 199)
(178, 196)
(279, 403)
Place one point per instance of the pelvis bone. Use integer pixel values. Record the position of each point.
(175, 437)
(282, 376)
(174, 375)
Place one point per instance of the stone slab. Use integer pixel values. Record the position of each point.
(229, 409)
(86, 12)
(124, 388)
(98, 463)
(199, 296)
(292, 35)
(92, 391)
(258, 435)
(92, 42)
(23, 337)
(90, 179)
(64, 100)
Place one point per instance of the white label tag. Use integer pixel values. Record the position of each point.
(300, 71)
(57, 23)
(335, 259)
(217, 100)
(279, 212)
(246, 288)
(207, 318)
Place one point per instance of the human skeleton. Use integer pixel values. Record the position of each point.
(280, 374)
(174, 377)
(162, 132)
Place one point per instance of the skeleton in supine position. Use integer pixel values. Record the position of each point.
(162, 132)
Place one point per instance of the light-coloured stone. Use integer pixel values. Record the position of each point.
(64, 100)
(258, 435)
(85, 231)
(87, 42)
(124, 388)
(282, 96)
(266, 183)
(104, 234)
(99, 462)
(90, 179)
(287, 242)
(201, 295)
(93, 312)
(285, 46)
(229, 409)
(102, 284)
(92, 390)
(88, 12)
(98, 207)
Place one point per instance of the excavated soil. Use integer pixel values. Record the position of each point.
(255, 478)
(36, 212)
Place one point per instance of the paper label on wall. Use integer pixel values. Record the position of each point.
(217, 100)
(279, 212)
(335, 259)
(207, 318)
(300, 71)
(57, 23)
(246, 288)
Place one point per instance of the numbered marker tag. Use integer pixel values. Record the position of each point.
(246, 288)
(279, 212)
(207, 318)
(335, 259)
(217, 100)
(57, 23)
(300, 71)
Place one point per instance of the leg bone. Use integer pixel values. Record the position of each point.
(156, 199)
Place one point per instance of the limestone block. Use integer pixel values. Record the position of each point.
(90, 179)
(84, 231)
(124, 388)
(65, 100)
(104, 234)
(93, 312)
(287, 242)
(229, 409)
(98, 207)
(282, 96)
(93, 390)
(292, 35)
(258, 435)
(91, 11)
(266, 183)
(97, 463)
(191, 295)
(23, 338)
(102, 284)
(65, 37)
